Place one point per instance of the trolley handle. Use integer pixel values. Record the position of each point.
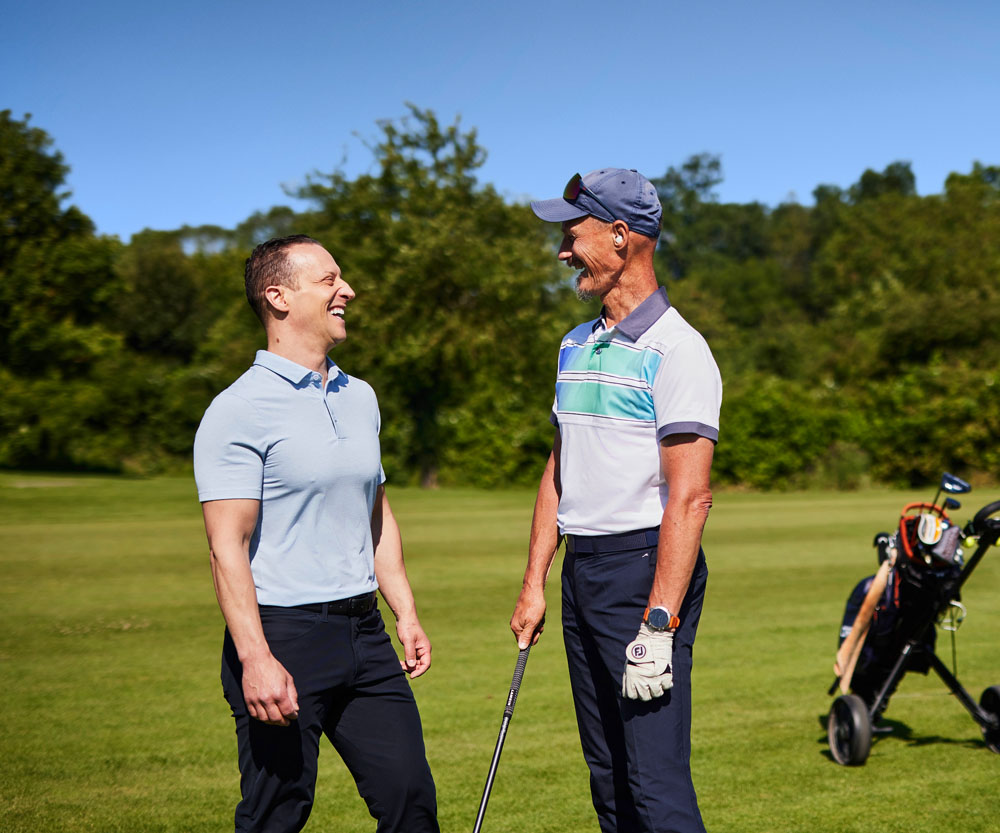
(982, 522)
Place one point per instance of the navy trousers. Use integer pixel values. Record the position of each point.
(352, 690)
(638, 753)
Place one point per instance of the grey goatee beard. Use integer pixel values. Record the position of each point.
(584, 294)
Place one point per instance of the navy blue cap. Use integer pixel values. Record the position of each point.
(625, 194)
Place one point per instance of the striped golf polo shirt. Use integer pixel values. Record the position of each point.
(619, 391)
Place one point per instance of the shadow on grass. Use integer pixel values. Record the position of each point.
(895, 730)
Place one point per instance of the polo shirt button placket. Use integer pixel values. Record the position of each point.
(326, 404)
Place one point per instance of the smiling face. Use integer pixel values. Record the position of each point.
(316, 306)
(588, 246)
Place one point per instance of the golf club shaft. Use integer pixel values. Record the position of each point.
(508, 712)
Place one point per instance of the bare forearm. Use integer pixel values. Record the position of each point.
(394, 585)
(229, 525)
(544, 540)
(686, 461)
(528, 620)
(237, 596)
(390, 569)
(268, 689)
(390, 572)
(680, 539)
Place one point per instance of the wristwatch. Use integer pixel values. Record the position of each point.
(660, 619)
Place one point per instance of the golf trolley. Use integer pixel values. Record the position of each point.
(888, 626)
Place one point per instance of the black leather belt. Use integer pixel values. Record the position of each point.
(618, 542)
(354, 606)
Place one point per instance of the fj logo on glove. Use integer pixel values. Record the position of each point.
(647, 664)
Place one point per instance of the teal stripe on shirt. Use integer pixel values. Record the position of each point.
(609, 357)
(604, 400)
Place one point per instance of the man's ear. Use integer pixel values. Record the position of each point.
(620, 232)
(275, 296)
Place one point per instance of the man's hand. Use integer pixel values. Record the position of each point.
(416, 647)
(269, 692)
(528, 620)
(648, 672)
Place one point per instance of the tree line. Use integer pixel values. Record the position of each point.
(857, 337)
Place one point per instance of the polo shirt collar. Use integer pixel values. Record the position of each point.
(287, 369)
(643, 316)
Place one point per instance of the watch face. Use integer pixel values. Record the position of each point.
(658, 618)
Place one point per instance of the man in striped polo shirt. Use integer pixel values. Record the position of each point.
(627, 484)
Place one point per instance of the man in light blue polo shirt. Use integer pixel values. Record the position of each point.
(301, 535)
(627, 484)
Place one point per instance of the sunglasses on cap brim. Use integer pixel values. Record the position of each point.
(575, 187)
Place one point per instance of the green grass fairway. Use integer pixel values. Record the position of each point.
(113, 717)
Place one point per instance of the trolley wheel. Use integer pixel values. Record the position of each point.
(990, 702)
(849, 730)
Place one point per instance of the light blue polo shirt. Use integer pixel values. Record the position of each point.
(619, 392)
(312, 457)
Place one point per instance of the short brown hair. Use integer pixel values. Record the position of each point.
(268, 266)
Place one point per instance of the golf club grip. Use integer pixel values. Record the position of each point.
(515, 685)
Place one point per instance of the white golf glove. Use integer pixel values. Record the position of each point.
(648, 672)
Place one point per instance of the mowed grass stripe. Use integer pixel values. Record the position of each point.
(114, 718)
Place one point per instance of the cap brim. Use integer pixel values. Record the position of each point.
(557, 210)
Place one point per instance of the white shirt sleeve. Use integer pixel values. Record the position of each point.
(687, 391)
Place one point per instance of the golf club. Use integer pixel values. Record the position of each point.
(515, 686)
(850, 650)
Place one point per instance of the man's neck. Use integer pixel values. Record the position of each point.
(309, 357)
(626, 295)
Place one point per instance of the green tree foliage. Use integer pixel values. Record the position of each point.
(55, 281)
(897, 178)
(858, 337)
(160, 311)
(30, 200)
(49, 264)
(870, 320)
(459, 308)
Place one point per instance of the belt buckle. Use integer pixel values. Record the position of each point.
(361, 604)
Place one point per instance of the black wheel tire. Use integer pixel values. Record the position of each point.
(988, 511)
(990, 703)
(849, 730)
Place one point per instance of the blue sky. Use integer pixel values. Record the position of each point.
(199, 112)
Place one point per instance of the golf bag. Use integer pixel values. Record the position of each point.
(908, 590)
(888, 628)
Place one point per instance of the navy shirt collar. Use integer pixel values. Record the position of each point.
(643, 316)
(287, 369)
